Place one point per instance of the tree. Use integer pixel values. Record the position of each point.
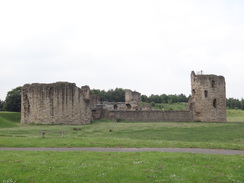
(144, 98)
(13, 100)
(117, 95)
(1, 105)
(164, 98)
(242, 104)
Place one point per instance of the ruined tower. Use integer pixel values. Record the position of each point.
(131, 96)
(208, 101)
(132, 99)
(56, 103)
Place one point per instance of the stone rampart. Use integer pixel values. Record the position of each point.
(148, 116)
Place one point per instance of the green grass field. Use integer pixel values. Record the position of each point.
(235, 115)
(121, 167)
(126, 134)
(25, 166)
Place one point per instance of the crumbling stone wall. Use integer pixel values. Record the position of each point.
(65, 103)
(57, 103)
(94, 101)
(132, 102)
(120, 106)
(208, 101)
(131, 96)
(148, 116)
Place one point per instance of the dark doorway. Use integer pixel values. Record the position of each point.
(214, 103)
(128, 106)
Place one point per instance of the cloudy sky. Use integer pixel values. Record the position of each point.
(150, 46)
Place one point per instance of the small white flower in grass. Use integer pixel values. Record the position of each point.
(9, 181)
(101, 174)
(137, 162)
(172, 176)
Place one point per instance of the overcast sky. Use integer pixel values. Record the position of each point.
(145, 45)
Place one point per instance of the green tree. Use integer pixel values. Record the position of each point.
(144, 98)
(13, 100)
(242, 104)
(182, 98)
(117, 95)
(164, 98)
(1, 105)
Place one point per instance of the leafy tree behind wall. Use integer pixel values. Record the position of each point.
(233, 103)
(117, 95)
(1, 105)
(13, 100)
(165, 98)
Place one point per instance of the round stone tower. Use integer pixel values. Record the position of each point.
(208, 101)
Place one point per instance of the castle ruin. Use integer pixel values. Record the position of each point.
(65, 103)
(57, 103)
(208, 101)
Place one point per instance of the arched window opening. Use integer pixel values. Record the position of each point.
(193, 92)
(128, 106)
(206, 93)
(213, 83)
(115, 106)
(214, 103)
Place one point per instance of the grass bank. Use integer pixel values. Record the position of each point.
(19, 166)
(9, 119)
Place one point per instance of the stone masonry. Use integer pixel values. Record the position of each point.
(208, 101)
(65, 103)
(57, 103)
(132, 102)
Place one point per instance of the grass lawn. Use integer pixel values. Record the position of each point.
(235, 115)
(23, 166)
(166, 134)
(35, 167)
(127, 134)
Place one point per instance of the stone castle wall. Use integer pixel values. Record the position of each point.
(148, 116)
(57, 103)
(65, 103)
(208, 101)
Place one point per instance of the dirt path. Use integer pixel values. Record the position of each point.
(100, 149)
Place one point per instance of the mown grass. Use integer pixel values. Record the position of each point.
(26, 166)
(234, 115)
(125, 134)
